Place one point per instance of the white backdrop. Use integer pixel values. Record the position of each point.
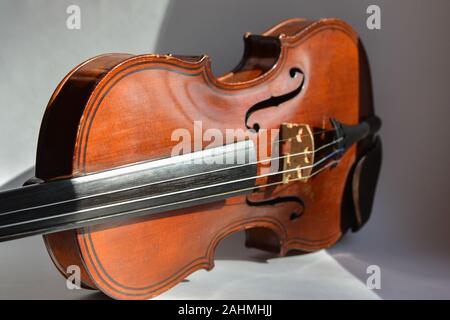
(407, 235)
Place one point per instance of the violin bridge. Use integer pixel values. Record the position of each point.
(297, 151)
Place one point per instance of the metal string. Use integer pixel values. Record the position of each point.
(330, 155)
(189, 176)
(213, 195)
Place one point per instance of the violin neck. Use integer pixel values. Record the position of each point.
(129, 192)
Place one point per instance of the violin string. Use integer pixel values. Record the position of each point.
(329, 156)
(332, 163)
(176, 178)
(228, 193)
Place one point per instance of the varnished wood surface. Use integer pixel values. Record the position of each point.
(121, 109)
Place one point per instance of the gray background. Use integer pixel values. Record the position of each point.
(407, 235)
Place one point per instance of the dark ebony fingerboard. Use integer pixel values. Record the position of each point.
(132, 191)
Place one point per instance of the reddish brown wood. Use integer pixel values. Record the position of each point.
(121, 109)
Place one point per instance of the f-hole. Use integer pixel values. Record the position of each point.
(275, 101)
(274, 201)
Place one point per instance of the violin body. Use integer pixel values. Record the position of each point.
(119, 109)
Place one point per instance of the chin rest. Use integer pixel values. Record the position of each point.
(361, 184)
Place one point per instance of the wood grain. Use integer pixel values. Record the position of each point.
(121, 109)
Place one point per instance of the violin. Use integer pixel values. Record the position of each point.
(146, 162)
